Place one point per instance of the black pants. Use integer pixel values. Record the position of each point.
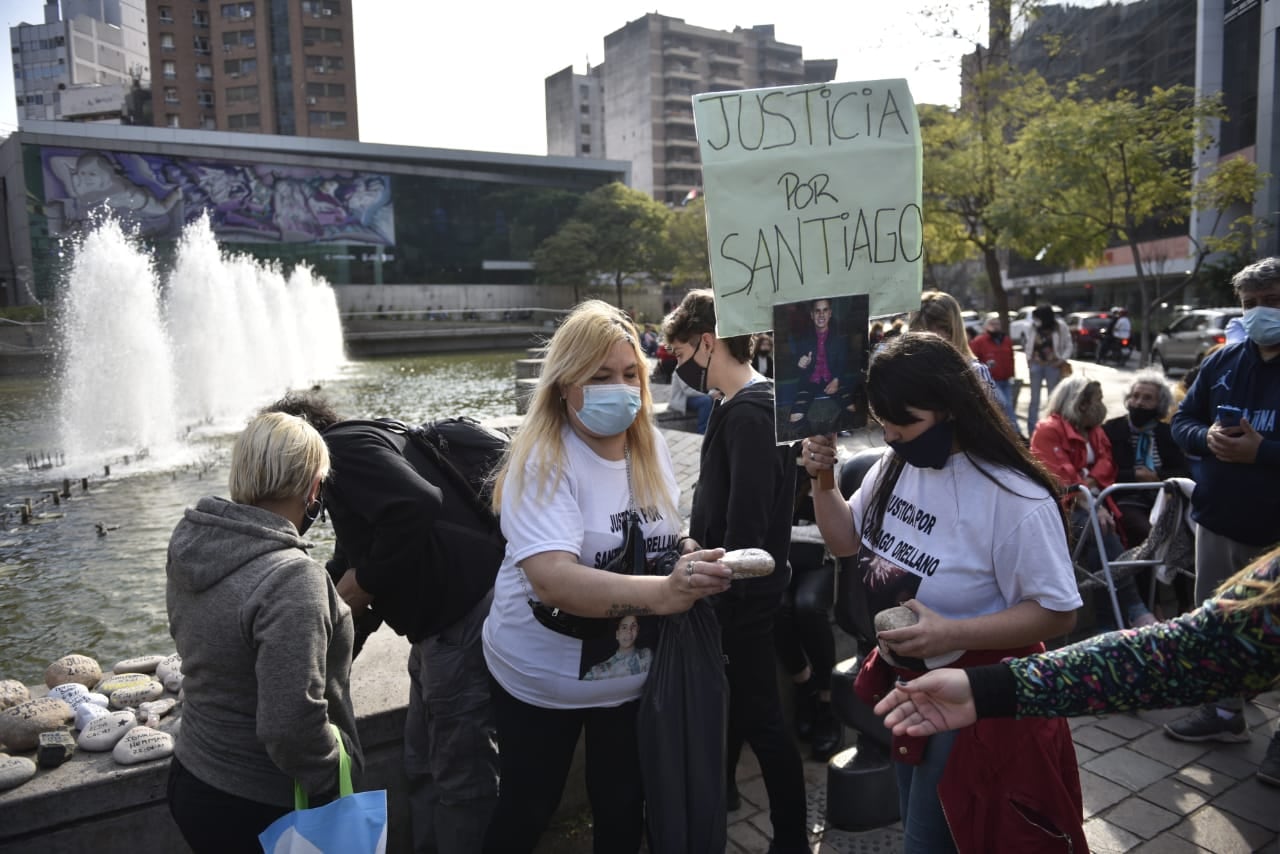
(803, 633)
(213, 821)
(535, 750)
(755, 713)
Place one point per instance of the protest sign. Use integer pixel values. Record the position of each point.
(811, 191)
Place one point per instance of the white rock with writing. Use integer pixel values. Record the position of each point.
(174, 682)
(142, 743)
(86, 712)
(15, 770)
(103, 733)
(70, 692)
(127, 697)
(12, 692)
(73, 668)
(140, 664)
(114, 682)
(20, 726)
(168, 665)
(152, 712)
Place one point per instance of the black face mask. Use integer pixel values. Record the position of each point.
(691, 373)
(930, 449)
(1140, 416)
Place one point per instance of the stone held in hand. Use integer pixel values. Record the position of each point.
(140, 664)
(103, 733)
(73, 668)
(12, 692)
(20, 726)
(114, 682)
(748, 563)
(124, 698)
(55, 748)
(141, 744)
(897, 617)
(15, 770)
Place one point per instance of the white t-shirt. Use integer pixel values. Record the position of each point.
(582, 514)
(962, 545)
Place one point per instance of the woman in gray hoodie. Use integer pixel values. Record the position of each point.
(265, 643)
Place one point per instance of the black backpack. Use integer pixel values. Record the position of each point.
(459, 457)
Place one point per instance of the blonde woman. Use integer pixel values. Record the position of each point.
(586, 454)
(940, 314)
(265, 642)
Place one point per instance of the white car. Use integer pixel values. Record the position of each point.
(1020, 326)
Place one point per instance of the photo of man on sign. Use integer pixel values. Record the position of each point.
(821, 348)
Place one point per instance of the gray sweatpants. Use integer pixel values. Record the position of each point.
(1217, 559)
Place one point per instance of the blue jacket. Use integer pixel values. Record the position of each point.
(1237, 501)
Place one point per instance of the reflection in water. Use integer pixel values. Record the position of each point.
(64, 588)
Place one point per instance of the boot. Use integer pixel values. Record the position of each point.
(806, 707)
(828, 732)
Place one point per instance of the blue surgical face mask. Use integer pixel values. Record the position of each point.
(1262, 325)
(608, 410)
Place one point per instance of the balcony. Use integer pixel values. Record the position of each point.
(681, 72)
(682, 118)
(677, 142)
(678, 97)
(678, 49)
(728, 81)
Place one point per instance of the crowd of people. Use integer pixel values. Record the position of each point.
(963, 522)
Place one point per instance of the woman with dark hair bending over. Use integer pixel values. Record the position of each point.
(1229, 645)
(962, 527)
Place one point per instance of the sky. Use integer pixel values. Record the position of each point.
(469, 75)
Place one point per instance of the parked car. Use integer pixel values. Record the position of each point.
(1020, 326)
(1182, 344)
(973, 322)
(1087, 330)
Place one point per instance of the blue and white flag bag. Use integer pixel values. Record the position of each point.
(355, 823)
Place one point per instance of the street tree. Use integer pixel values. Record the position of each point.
(687, 243)
(1100, 173)
(617, 232)
(566, 257)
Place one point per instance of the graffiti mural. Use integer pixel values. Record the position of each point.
(246, 203)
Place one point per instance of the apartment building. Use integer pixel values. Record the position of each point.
(77, 63)
(637, 105)
(259, 66)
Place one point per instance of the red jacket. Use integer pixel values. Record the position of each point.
(1009, 786)
(1061, 447)
(997, 357)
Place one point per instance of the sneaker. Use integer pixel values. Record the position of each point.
(1269, 768)
(1205, 724)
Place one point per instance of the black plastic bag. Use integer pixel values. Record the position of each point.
(682, 720)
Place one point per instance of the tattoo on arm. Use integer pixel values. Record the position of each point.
(628, 611)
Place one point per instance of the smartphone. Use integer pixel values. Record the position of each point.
(1229, 416)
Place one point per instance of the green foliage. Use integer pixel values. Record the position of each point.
(687, 242)
(24, 313)
(616, 232)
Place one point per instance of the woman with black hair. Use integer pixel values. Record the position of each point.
(961, 527)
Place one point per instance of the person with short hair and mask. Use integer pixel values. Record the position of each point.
(1236, 503)
(1144, 451)
(587, 460)
(1073, 446)
(745, 495)
(960, 525)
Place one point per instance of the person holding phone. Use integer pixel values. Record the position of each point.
(1228, 419)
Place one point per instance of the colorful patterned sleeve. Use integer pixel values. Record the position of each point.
(1208, 653)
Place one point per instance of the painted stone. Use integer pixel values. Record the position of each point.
(12, 692)
(141, 664)
(70, 692)
(140, 744)
(129, 697)
(897, 617)
(103, 733)
(96, 698)
(73, 668)
(167, 666)
(114, 682)
(86, 712)
(55, 748)
(20, 726)
(174, 682)
(152, 712)
(15, 770)
(748, 563)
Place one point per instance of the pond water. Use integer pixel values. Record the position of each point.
(87, 576)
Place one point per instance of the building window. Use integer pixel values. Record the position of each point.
(325, 64)
(200, 19)
(240, 94)
(321, 8)
(244, 121)
(312, 36)
(586, 129)
(201, 45)
(239, 38)
(586, 148)
(208, 123)
(240, 67)
(237, 10)
(171, 120)
(170, 95)
(326, 90)
(585, 109)
(204, 71)
(204, 98)
(166, 41)
(324, 119)
(169, 70)
(165, 14)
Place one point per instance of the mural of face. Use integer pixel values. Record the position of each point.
(91, 176)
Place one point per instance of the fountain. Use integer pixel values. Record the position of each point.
(143, 365)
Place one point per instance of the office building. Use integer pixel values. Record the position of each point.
(258, 66)
(637, 105)
(77, 65)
